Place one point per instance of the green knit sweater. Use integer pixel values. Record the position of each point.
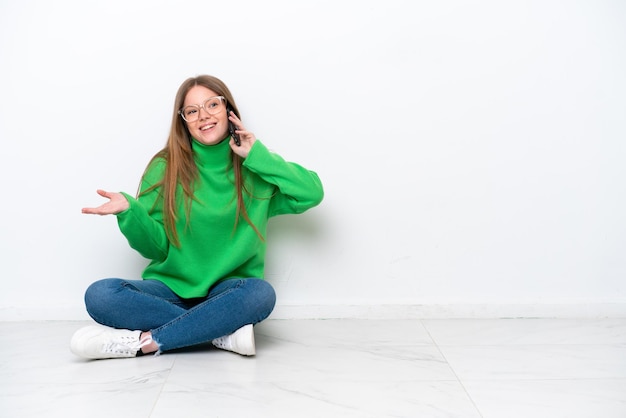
(211, 249)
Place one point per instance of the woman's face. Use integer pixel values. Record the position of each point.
(207, 129)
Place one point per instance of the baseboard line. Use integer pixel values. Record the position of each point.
(392, 311)
(451, 311)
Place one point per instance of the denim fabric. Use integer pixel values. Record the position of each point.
(149, 305)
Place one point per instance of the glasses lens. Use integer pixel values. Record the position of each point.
(213, 105)
(190, 113)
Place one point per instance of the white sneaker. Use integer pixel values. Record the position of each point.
(240, 341)
(100, 342)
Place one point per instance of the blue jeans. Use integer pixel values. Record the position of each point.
(149, 305)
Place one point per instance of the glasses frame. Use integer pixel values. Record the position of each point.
(201, 106)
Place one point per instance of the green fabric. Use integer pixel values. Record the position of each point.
(210, 248)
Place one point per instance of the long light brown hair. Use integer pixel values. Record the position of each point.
(180, 165)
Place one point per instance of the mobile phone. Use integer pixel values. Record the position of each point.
(231, 128)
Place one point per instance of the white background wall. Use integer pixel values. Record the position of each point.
(473, 153)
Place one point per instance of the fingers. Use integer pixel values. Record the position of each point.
(98, 210)
(236, 121)
(90, 211)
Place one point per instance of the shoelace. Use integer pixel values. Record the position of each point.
(125, 345)
(224, 342)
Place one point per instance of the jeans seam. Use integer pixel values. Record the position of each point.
(129, 286)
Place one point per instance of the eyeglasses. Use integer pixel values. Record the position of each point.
(212, 105)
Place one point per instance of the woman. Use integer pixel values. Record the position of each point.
(201, 218)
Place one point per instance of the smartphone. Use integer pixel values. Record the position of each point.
(231, 128)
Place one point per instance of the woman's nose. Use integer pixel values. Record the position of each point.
(202, 113)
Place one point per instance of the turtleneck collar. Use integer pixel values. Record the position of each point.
(217, 155)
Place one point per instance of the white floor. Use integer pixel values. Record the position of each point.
(528, 368)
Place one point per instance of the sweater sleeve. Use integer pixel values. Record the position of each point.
(299, 189)
(142, 222)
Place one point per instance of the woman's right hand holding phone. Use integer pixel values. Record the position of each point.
(246, 138)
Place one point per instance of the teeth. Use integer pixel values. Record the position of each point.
(204, 128)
